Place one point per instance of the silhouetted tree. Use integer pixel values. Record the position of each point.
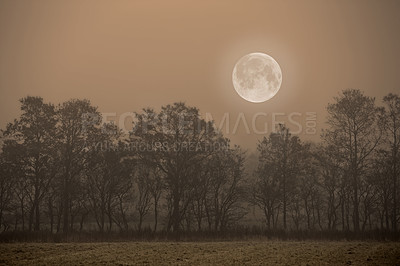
(108, 178)
(201, 186)
(309, 187)
(331, 171)
(382, 179)
(266, 193)
(226, 187)
(60, 168)
(174, 141)
(354, 131)
(391, 122)
(156, 187)
(6, 191)
(32, 135)
(280, 154)
(78, 122)
(143, 177)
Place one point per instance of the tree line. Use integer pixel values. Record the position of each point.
(64, 170)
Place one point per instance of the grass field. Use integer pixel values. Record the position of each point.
(203, 253)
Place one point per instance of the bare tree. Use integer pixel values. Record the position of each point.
(78, 121)
(143, 184)
(59, 167)
(6, 191)
(156, 188)
(281, 154)
(226, 187)
(354, 131)
(331, 172)
(391, 122)
(201, 186)
(175, 141)
(265, 192)
(382, 180)
(34, 134)
(108, 178)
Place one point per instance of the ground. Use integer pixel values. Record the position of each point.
(203, 253)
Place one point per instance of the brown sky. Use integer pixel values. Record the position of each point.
(126, 55)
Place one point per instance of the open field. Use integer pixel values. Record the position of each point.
(204, 253)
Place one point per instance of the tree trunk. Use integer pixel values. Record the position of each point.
(176, 213)
(155, 214)
(37, 217)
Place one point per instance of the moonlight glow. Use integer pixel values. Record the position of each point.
(257, 77)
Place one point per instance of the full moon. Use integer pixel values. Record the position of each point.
(257, 77)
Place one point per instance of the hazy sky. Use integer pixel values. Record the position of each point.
(126, 55)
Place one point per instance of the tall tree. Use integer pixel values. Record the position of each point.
(226, 189)
(7, 181)
(143, 177)
(174, 141)
(78, 122)
(32, 135)
(330, 169)
(353, 129)
(280, 156)
(266, 194)
(108, 178)
(391, 122)
(156, 187)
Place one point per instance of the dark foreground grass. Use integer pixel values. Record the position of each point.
(203, 253)
(242, 234)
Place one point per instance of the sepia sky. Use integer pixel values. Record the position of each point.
(126, 55)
